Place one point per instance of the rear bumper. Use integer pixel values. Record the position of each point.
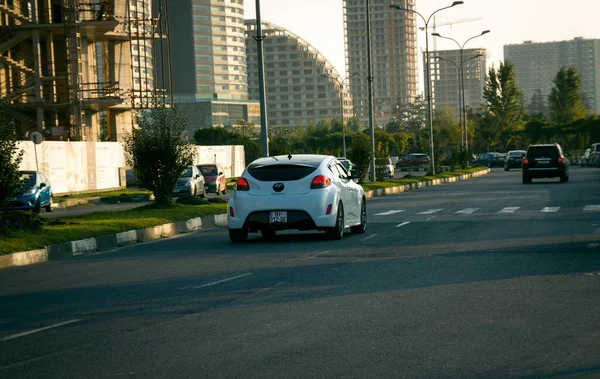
(549, 172)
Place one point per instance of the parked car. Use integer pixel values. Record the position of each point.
(545, 161)
(35, 194)
(514, 159)
(594, 159)
(214, 177)
(190, 183)
(585, 158)
(413, 159)
(304, 192)
(388, 168)
(490, 160)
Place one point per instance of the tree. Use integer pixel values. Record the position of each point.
(353, 125)
(504, 107)
(359, 152)
(158, 152)
(566, 98)
(10, 158)
(537, 106)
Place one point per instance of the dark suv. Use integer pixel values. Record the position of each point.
(545, 161)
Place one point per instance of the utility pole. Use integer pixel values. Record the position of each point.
(372, 177)
(264, 129)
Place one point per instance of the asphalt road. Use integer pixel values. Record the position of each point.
(477, 279)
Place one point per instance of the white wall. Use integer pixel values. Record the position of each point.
(232, 158)
(76, 166)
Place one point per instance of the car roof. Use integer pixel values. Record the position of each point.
(544, 145)
(302, 159)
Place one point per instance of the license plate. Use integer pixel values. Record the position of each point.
(543, 162)
(279, 217)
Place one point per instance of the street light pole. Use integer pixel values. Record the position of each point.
(460, 125)
(341, 84)
(462, 76)
(264, 124)
(428, 74)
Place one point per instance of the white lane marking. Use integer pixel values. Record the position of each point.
(592, 208)
(429, 211)
(309, 256)
(550, 209)
(593, 245)
(509, 210)
(218, 281)
(369, 237)
(404, 223)
(467, 211)
(389, 212)
(431, 218)
(39, 330)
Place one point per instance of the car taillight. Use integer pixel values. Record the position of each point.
(231, 212)
(320, 181)
(525, 160)
(561, 160)
(242, 184)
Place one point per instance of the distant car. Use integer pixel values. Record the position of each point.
(514, 159)
(304, 192)
(545, 161)
(414, 159)
(214, 177)
(594, 159)
(347, 163)
(490, 160)
(585, 158)
(190, 183)
(35, 194)
(388, 168)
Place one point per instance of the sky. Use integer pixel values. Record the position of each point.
(320, 23)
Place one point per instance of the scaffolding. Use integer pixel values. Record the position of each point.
(78, 70)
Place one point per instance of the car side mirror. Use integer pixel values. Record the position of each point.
(42, 185)
(355, 174)
(220, 172)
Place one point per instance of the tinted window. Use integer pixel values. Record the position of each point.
(543, 151)
(28, 180)
(280, 172)
(187, 173)
(516, 153)
(208, 170)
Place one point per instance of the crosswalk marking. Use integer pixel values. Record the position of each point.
(429, 211)
(467, 211)
(389, 212)
(592, 208)
(509, 210)
(550, 209)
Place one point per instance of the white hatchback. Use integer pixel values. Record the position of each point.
(303, 192)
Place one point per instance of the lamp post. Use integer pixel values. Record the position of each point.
(463, 133)
(341, 84)
(427, 74)
(462, 78)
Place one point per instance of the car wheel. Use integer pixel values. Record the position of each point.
(362, 227)
(49, 206)
(238, 235)
(506, 168)
(268, 233)
(337, 232)
(203, 192)
(526, 179)
(37, 207)
(564, 178)
(195, 192)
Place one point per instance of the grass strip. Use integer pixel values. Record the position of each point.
(102, 223)
(124, 192)
(410, 179)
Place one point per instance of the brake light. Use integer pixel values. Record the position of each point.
(525, 160)
(231, 212)
(320, 181)
(242, 184)
(561, 159)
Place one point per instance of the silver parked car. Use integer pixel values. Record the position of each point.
(190, 183)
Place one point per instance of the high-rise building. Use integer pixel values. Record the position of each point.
(208, 58)
(446, 78)
(302, 86)
(76, 70)
(537, 63)
(394, 56)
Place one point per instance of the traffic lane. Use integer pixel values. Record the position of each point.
(419, 316)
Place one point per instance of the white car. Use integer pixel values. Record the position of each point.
(303, 192)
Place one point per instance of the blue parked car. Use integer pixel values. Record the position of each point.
(35, 194)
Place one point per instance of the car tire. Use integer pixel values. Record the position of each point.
(195, 192)
(268, 233)
(48, 207)
(337, 232)
(506, 168)
(564, 178)
(37, 207)
(362, 227)
(203, 195)
(526, 179)
(238, 235)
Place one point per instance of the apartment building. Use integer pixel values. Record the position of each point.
(446, 78)
(209, 64)
(537, 63)
(394, 56)
(302, 86)
(77, 70)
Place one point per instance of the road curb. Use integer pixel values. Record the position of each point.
(434, 182)
(74, 249)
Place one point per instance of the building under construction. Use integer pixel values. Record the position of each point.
(78, 70)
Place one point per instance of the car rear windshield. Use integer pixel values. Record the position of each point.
(516, 153)
(280, 172)
(208, 170)
(543, 151)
